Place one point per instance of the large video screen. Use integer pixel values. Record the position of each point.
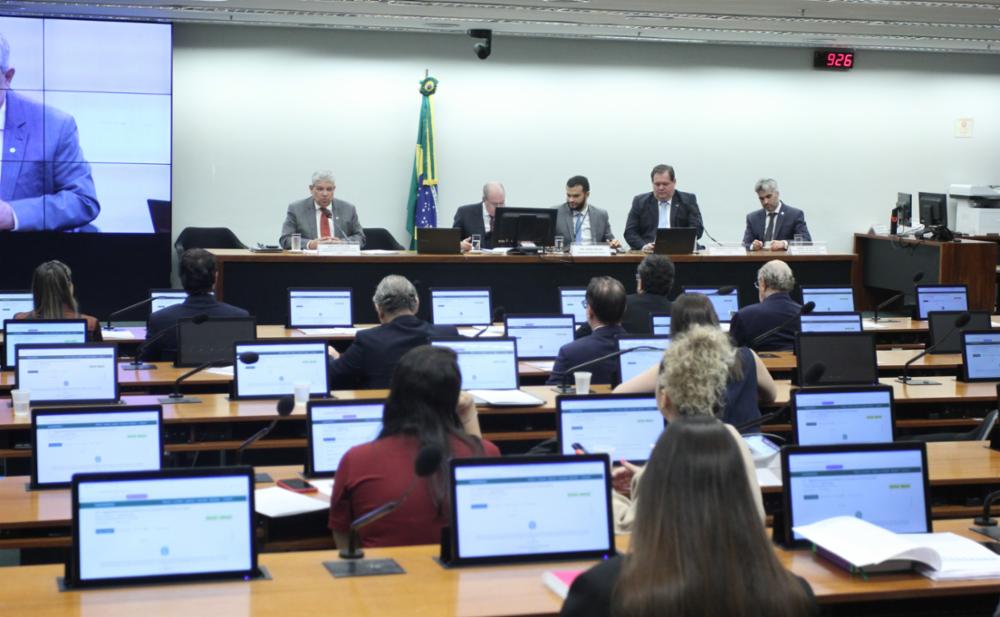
(86, 114)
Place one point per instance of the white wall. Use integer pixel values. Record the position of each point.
(256, 110)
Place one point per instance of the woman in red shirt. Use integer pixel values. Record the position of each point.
(425, 408)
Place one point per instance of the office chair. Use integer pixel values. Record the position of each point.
(207, 238)
(378, 238)
(979, 433)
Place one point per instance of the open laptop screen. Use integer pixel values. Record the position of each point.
(941, 298)
(162, 298)
(167, 525)
(661, 324)
(944, 336)
(486, 364)
(281, 365)
(334, 427)
(829, 299)
(539, 337)
(725, 305)
(885, 484)
(831, 322)
(88, 439)
(848, 357)
(211, 340)
(573, 301)
(461, 307)
(531, 508)
(319, 308)
(34, 331)
(623, 426)
(843, 415)
(72, 373)
(980, 355)
(631, 364)
(14, 302)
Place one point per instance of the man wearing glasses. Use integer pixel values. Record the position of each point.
(477, 219)
(774, 284)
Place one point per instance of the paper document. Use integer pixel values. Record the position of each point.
(961, 558)
(226, 371)
(117, 335)
(863, 544)
(276, 502)
(323, 485)
(542, 365)
(474, 330)
(767, 477)
(505, 398)
(379, 252)
(328, 331)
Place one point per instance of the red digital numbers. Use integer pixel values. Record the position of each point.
(839, 60)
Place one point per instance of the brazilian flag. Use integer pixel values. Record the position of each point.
(422, 205)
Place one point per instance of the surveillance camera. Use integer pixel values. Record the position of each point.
(482, 50)
(484, 47)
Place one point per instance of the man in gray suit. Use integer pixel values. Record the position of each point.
(579, 222)
(771, 227)
(321, 219)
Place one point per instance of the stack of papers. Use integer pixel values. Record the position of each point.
(506, 398)
(117, 335)
(347, 332)
(276, 502)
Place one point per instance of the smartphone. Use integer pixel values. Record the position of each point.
(297, 485)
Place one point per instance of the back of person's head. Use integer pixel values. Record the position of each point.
(694, 371)
(699, 546)
(395, 294)
(197, 271)
(691, 310)
(606, 298)
(777, 275)
(656, 272)
(52, 290)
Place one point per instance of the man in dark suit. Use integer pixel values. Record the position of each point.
(605, 306)
(198, 274)
(663, 207)
(372, 357)
(774, 283)
(477, 219)
(654, 279)
(775, 223)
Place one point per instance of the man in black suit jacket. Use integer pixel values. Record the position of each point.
(654, 280)
(605, 306)
(774, 282)
(647, 209)
(478, 218)
(775, 223)
(198, 274)
(373, 355)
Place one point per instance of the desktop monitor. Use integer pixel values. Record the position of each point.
(831, 322)
(33, 331)
(14, 302)
(848, 357)
(68, 373)
(824, 416)
(829, 299)
(211, 340)
(334, 427)
(660, 324)
(623, 426)
(539, 337)
(162, 298)
(461, 306)
(725, 305)
(512, 509)
(904, 209)
(514, 226)
(170, 525)
(933, 209)
(315, 307)
(485, 363)
(71, 440)
(885, 484)
(280, 365)
(941, 298)
(943, 334)
(981, 355)
(631, 364)
(573, 301)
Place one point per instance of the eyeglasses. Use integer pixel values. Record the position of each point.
(583, 303)
(756, 284)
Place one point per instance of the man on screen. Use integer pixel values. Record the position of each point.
(321, 219)
(661, 208)
(580, 222)
(45, 183)
(771, 227)
(478, 218)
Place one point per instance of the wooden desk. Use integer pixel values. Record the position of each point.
(888, 360)
(161, 377)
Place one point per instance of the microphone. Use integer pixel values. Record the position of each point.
(498, 315)
(427, 462)
(125, 310)
(804, 310)
(176, 398)
(725, 291)
(919, 276)
(813, 374)
(286, 405)
(137, 364)
(564, 387)
(704, 230)
(960, 322)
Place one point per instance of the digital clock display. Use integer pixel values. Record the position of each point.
(834, 59)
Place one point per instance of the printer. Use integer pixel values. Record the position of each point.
(975, 208)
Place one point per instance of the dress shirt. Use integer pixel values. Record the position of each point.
(584, 236)
(664, 222)
(487, 222)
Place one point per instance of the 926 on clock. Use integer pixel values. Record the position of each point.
(834, 59)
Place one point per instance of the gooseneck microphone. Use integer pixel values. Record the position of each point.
(564, 387)
(498, 316)
(919, 276)
(138, 365)
(176, 398)
(125, 310)
(285, 406)
(812, 375)
(960, 322)
(805, 309)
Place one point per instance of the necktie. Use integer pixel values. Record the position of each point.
(490, 230)
(578, 221)
(324, 223)
(769, 232)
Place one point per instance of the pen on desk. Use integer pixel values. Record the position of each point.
(578, 449)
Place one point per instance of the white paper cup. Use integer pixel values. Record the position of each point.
(302, 393)
(20, 401)
(582, 382)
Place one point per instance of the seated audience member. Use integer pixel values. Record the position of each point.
(771, 227)
(581, 222)
(605, 307)
(692, 381)
(654, 278)
(661, 208)
(321, 219)
(52, 293)
(774, 285)
(425, 408)
(478, 218)
(749, 381)
(372, 356)
(198, 274)
(698, 546)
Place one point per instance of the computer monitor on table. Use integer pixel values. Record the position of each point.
(33, 331)
(280, 365)
(14, 302)
(335, 426)
(59, 374)
(319, 307)
(515, 226)
(830, 322)
(831, 299)
(854, 414)
(945, 337)
(941, 297)
(634, 363)
(160, 299)
(933, 209)
(725, 304)
(539, 337)
(461, 306)
(200, 341)
(904, 209)
(848, 358)
(573, 301)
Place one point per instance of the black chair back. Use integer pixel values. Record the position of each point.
(207, 238)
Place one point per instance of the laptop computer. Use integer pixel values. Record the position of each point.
(334, 427)
(61, 373)
(171, 525)
(539, 337)
(623, 426)
(981, 355)
(162, 298)
(314, 307)
(489, 370)
(848, 357)
(725, 305)
(280, 365)
(660, 324)
(631, 364)
(573, 301)
(461, 306)
(14, 302)
(941, 298)
(944, 336)
(71, 440)
(862, 414)
(839, 299)
(675, 241)
(831, 322)
(515, 509)
(34, 331)
(211, 340)
(885, 484)
(439, 241)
